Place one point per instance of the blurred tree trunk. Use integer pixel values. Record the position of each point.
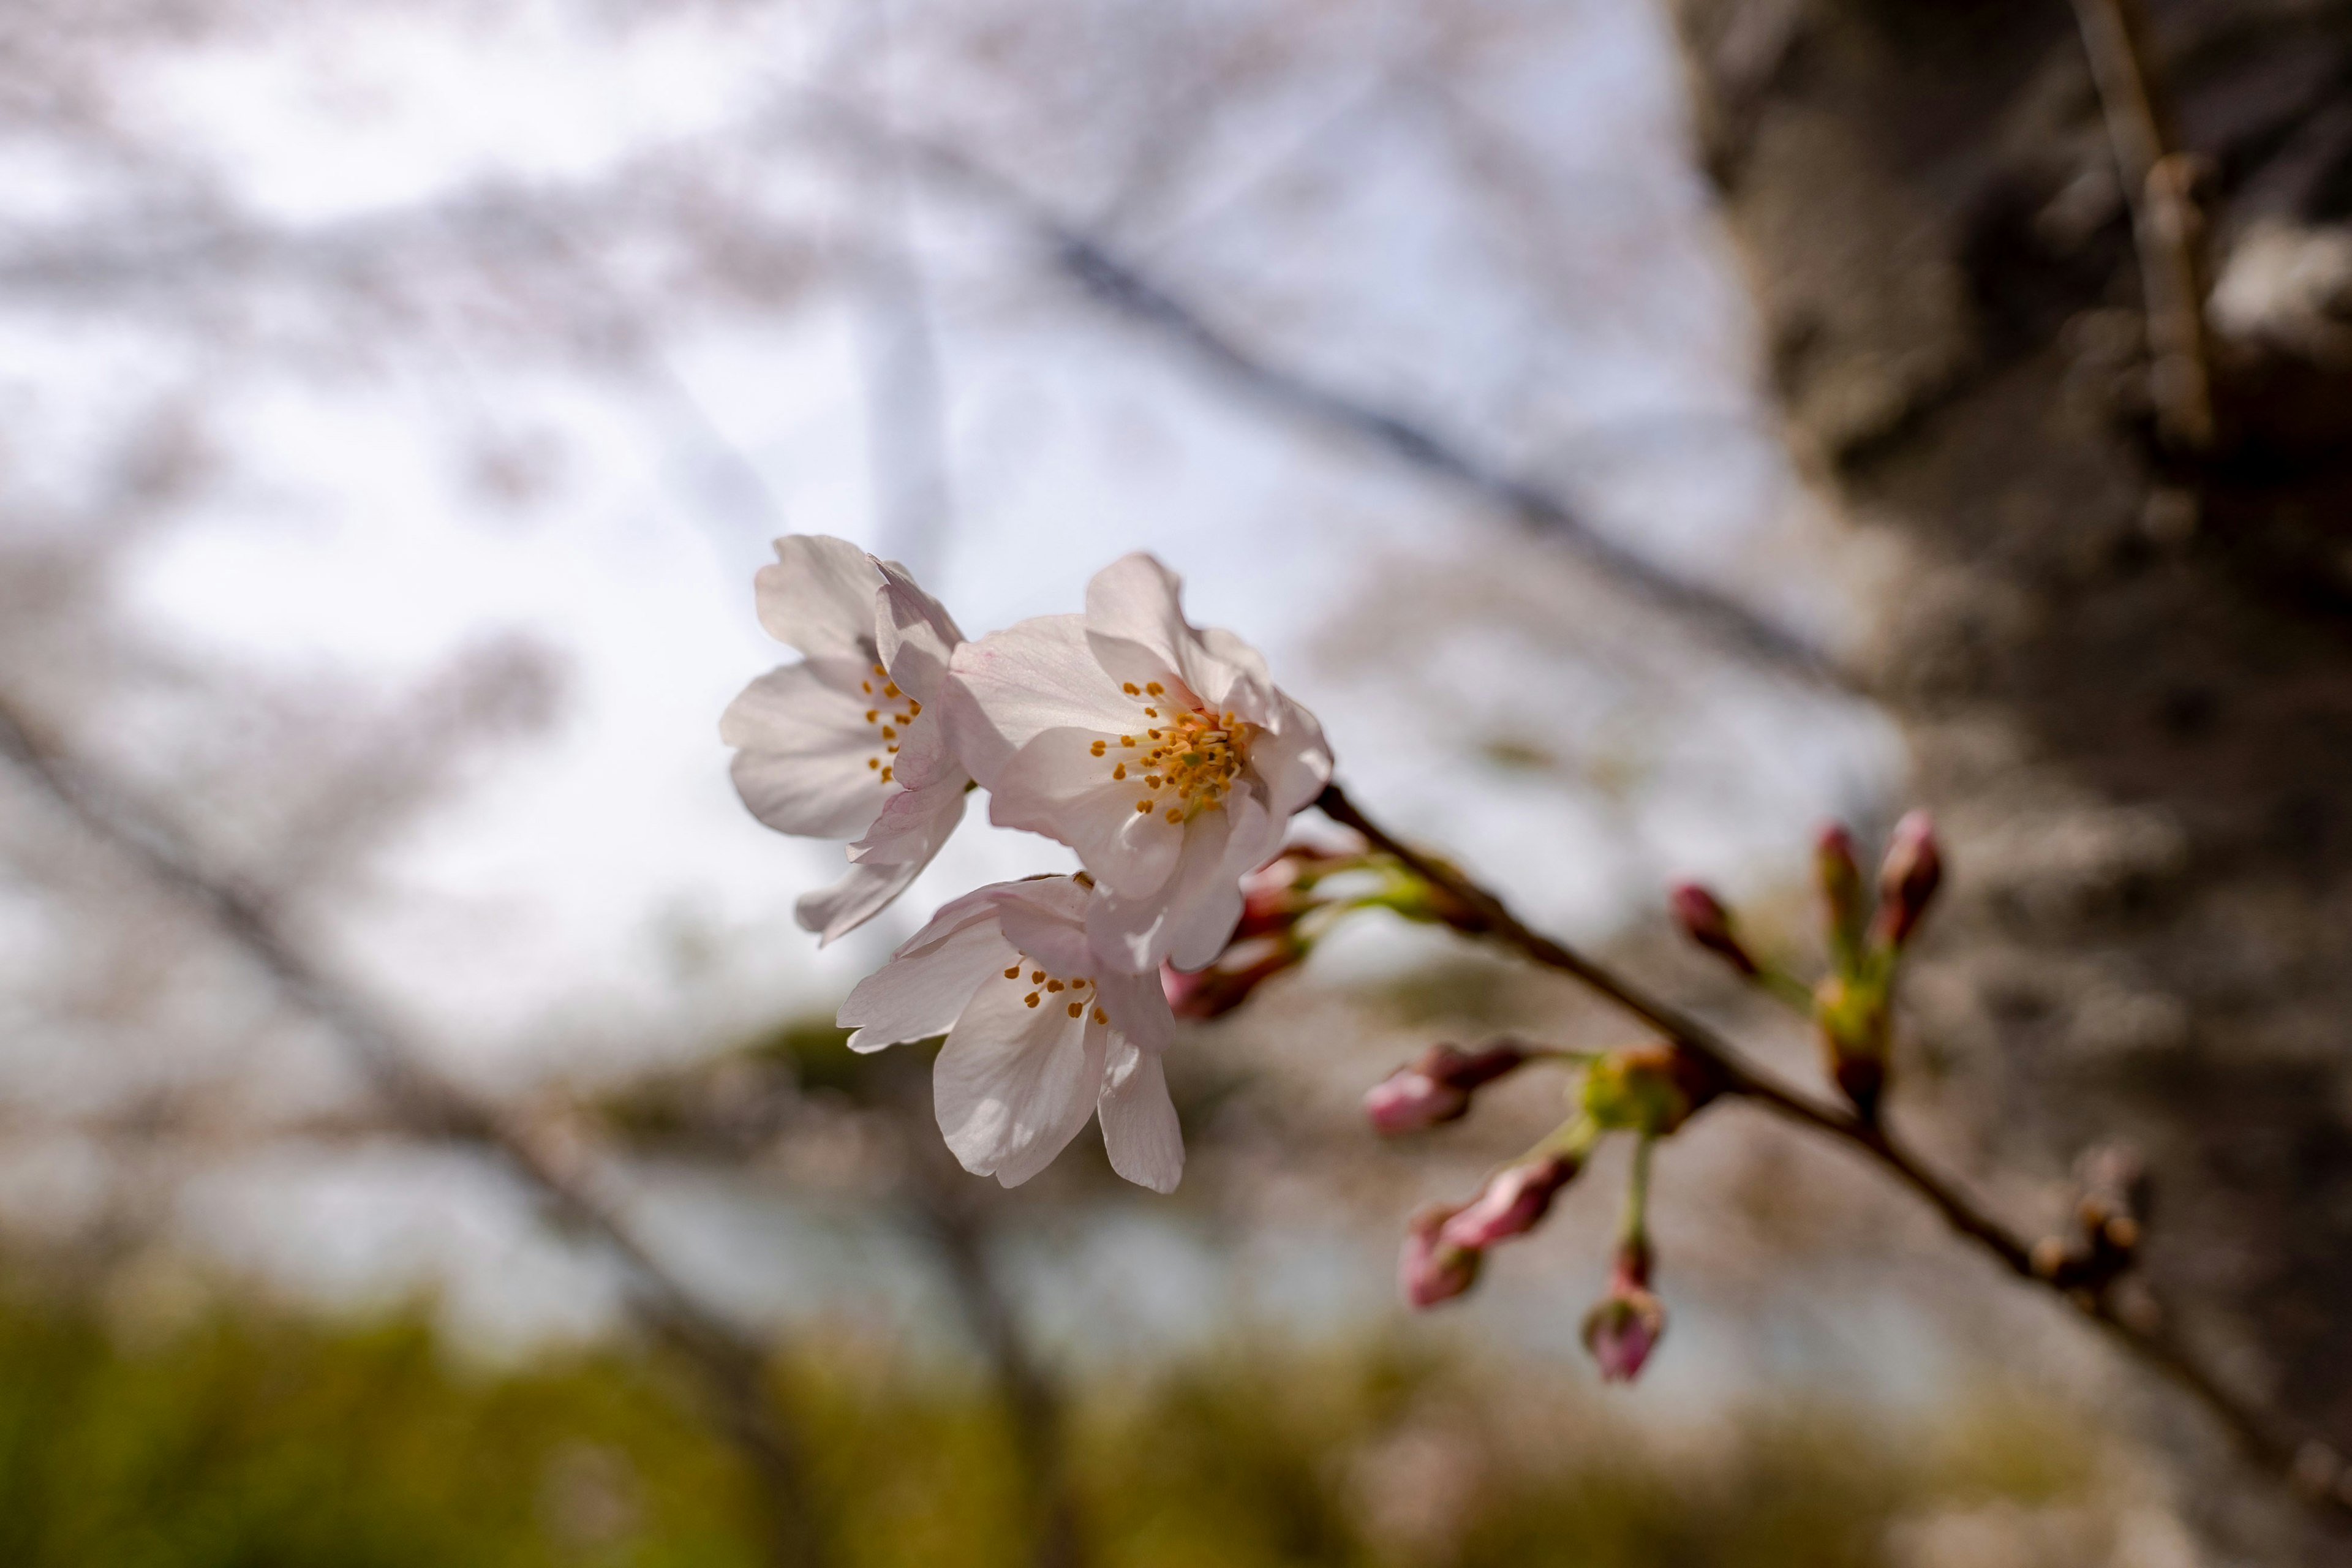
(2126, 676)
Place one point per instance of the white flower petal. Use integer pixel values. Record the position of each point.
(1015, 1083)
(913, 825)
(1058, 786)
(802, 749)
(1010, 686)
(819, 597)
(1136, 600)
(1138, 1008)
(1046, 918)
(1291, 757)
(903, 840)
(1134, 934)
(914, 636)
(923, 992)
(1140, 1133)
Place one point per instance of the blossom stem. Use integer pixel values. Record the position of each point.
(2266, 1434)
(1632, 1223)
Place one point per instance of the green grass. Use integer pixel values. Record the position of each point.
(257, 1440)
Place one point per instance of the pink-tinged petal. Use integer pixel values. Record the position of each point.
(1291, 757)
(1205, 911)
(1137, 601)
(819, 597)
(1015, 1083)
(913, 825)
(914, 637)
(1013, 685)
(869, 888)
(1139, 1129)
(923, 992)
(1059, 785)
(802, 749)
(1046, 917)
(903, 841)
(1135, 935)
(1138, 1008)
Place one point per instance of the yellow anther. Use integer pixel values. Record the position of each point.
(872, 714)
(891, 690)
(1080, 983)
(1030, 1000)
(1153, 733)
(1099, 747)
(1129, 687)
(1035, 975)
(1127, 739)
(1142, 806)
(868, 687)
(1152, 779)
(1014, 973)
(1056, 985)
(879, 670)
(1152, 712)
(873, 762)
(1119, 772)
(892, 749)
(913, 708)
(885, 775)
(888, 734)
(1174, 815)
(1101, 1016)
(1155, 688)
(1077, 1008)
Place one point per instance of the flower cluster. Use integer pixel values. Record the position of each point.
(1852, 1007)
(1163, 754)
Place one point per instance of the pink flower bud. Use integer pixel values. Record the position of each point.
(1840, 877)
(1625, 1325)
(1410, 1101)
(1908, 877)
(1432, 1270)
(1436, 1087)
(1515, 1201)
(1705, 922)
(1622, 1331)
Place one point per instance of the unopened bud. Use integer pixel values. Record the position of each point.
(1436, 1087)
(1705, 922)
(1649, 1088)
(1514, 1202)
(1839, 876)
(1625, 1325)
(1430, 1269)
(1908, 879)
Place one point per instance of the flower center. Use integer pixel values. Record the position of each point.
(1067, 995)
(1181, 761)
(888, 723)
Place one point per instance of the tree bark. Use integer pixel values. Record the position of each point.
(2122, 661)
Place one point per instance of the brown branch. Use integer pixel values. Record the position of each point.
(2312, 1466)
(734, 1366)
(2166, 226)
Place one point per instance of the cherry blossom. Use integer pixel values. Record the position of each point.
(850, 743)
(1163, 754)
(1040, 1036)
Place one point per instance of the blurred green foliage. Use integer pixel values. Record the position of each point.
(251, 1440)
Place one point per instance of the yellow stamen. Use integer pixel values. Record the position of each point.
(1030, 1000)
(1077, 1008)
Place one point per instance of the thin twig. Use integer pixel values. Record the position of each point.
(2265, 1434)
(2166, 226)
(734, 1366)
